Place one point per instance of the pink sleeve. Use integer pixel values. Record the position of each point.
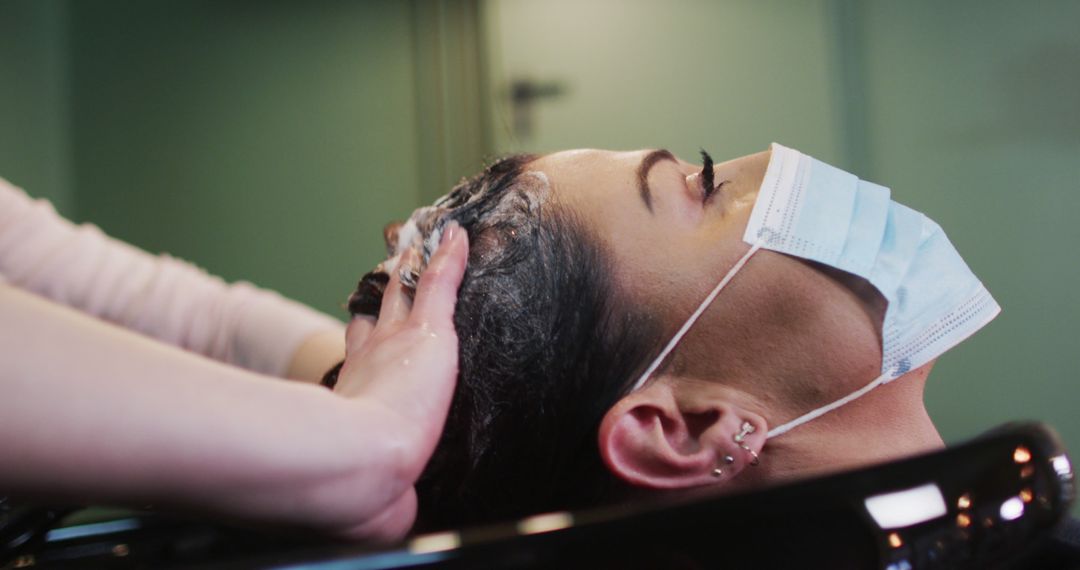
(159, 296)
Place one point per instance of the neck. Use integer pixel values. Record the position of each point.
(888, 423)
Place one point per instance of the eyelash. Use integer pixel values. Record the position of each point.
(707, 185)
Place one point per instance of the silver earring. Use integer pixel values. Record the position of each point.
(729, 459)
(746, 448)
(747, 429)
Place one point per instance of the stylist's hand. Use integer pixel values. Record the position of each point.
(402, 370)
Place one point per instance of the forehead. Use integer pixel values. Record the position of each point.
(676, 244)
(581, 161)
(601, 188)
(581, 176)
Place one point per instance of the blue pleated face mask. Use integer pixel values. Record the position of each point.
(811, 210)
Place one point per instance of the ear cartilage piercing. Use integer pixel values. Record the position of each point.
(747, 429)
(752, 453)
(729, 459)
(718, 472)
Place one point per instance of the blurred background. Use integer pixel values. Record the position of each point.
(271, 141)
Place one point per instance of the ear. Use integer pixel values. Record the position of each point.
(650, 439)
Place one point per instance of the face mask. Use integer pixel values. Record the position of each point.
(811, 210)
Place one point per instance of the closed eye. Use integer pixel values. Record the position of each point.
(708, 184)
(707, 174)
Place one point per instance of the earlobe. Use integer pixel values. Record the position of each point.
(649, 441)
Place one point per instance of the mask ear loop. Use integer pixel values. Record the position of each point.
(777, 431)
(694, 317)
(781, 430)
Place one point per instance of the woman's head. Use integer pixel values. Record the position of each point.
(582, 265)
(545, 349)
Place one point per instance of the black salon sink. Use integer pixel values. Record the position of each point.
(999, 501)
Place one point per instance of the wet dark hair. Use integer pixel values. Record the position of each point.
(547, 346)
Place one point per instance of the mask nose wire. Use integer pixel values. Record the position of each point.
(693, 318)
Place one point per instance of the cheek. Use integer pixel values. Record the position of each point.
(667, 282)
(668, 270)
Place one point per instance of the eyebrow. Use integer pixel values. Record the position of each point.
(643, 169)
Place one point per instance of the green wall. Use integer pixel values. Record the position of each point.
(974, 117)
(34, 138)
(267, 141)
(728, 76)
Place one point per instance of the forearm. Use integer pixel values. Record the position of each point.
(156, 295)
(92, 413)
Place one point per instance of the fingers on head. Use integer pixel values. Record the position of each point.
(395, 302)
(358, 331)
(437, 291)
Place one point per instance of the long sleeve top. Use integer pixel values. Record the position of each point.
(156, 295)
